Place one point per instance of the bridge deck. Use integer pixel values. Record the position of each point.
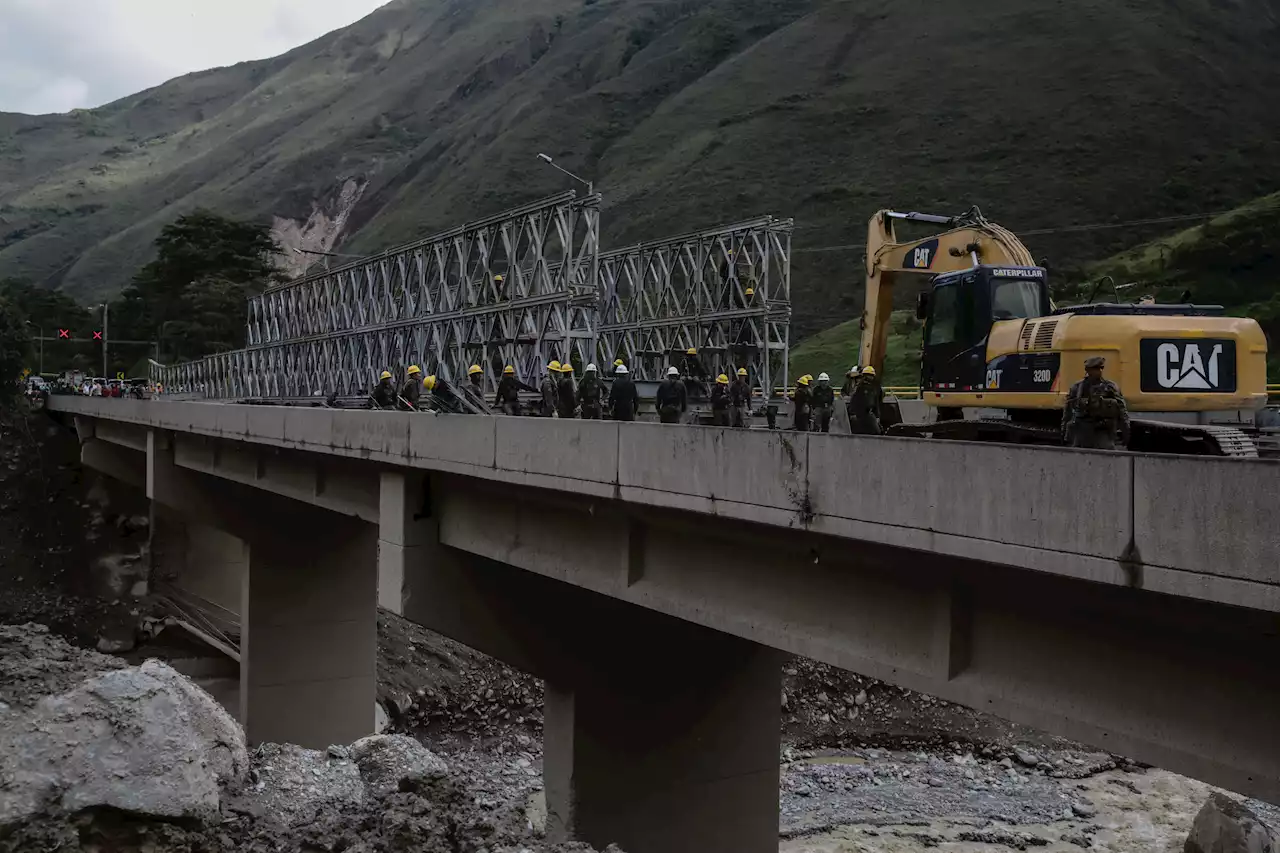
(1201, 528)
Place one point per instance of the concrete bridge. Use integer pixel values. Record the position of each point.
(655, 575)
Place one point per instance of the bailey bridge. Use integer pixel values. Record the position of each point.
(655, 576)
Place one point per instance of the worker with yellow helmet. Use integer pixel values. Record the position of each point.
(802, 404)
(384, 393)
(443, 396)
(566, 393)
(411, 390)
(507, 400)
(549, 388)
(720, 401)
(740, 400)
(865, 403)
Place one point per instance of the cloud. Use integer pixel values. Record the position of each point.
(56, 55)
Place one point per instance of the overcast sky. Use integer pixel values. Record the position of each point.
(56, 55)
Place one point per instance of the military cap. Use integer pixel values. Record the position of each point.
(1095, 361)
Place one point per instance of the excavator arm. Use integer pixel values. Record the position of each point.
(970, 240)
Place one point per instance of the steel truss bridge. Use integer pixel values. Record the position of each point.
(521, 287)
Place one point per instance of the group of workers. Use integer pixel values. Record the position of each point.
(814, 403)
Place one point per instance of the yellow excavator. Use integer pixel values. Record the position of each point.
(998, 359)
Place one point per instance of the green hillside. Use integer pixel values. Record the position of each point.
(835, 350)
(686, 113)
(1233, 260)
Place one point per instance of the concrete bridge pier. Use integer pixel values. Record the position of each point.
(309, 635)
(308, 586)
(659, 735)
(668, 747)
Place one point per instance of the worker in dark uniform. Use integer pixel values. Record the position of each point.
(589, 393)
(672, 399)
(720, 401)
(740, 400)
(1096, 412)
(824, 402)
(623, 397)
(850, 378)
(384, 394)
(507, 400)
(475, 376)
(695, 375)
(566, 394)
(443, 396)
(865, 403)
(802, 403)
(550, 387)
(411, 390)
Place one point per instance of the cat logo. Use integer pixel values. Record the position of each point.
(1202, 365)
(1186, 369)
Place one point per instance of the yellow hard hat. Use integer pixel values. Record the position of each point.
(555, 365)
(566, 367)
(386, 374)
(429, 383)
(413, 368)
(691, 351)
(499, 279)
(803, 380)
(617, 362)
(722, 379)
(751, 291)
(868, 371)
(474, 369)
(742, 371)
(508, 371)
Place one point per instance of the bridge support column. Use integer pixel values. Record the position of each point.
(309, 634)
(669, 747)
(408, 534)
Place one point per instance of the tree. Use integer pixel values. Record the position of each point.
(199, 251)
(15, 347)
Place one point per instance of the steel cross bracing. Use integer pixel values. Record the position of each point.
(437, 303)
(725, 291)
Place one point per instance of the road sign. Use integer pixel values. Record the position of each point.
(64, 333)
(120, 376)
(97, 336)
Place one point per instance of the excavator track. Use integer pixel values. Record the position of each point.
(1147, 436)
(1190, 439)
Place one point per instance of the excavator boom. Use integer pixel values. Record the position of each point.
(970, 240)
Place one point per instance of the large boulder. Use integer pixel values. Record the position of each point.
(143, 740)
(1225, 825)
(387, 760)
(296, 784)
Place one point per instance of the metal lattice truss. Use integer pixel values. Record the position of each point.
(725, 292)
(520, 288)
(517, 288)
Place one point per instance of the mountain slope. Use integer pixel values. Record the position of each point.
(687, 113)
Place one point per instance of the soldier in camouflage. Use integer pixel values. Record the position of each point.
(1095, 414)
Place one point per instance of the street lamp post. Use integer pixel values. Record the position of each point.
(40, 330)
(104, 341)
(546, 158)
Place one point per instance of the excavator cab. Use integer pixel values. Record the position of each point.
(959, 310)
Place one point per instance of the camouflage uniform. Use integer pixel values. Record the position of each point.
(1095, 412)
